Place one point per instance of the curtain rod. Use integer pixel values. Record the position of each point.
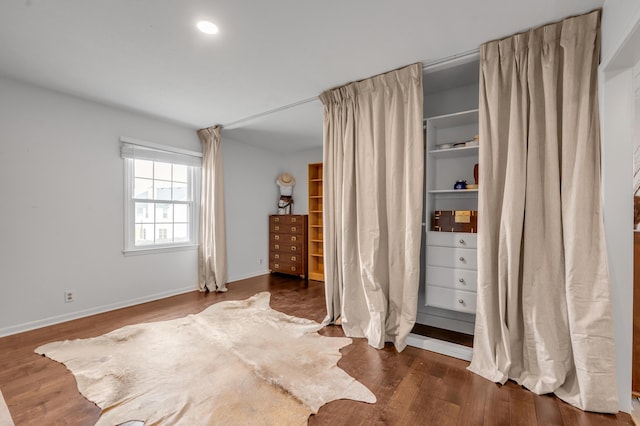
(425, 67)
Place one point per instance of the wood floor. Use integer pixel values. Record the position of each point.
(415, 387)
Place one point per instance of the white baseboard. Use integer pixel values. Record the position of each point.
(249, 275)
(440, 346)
(19, 328)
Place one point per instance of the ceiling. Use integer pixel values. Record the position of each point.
(147, 56)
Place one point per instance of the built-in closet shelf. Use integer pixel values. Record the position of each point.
(462, 192)
(454, 152)
(456, 119)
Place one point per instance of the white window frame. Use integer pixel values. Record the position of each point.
(134, 148)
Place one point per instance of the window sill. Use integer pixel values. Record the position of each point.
(154, 250)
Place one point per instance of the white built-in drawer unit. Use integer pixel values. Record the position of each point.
(451, 271)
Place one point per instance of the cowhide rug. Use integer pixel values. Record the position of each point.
(236, 362)
(5, 416)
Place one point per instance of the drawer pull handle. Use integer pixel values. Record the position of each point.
(293, 248)
(277, 246)
(293, 229)
(461, 241)
(293, 238)
(277, 237)
(276, 219)
(460, 301)
(293, 258)
(461, 280)
(276, 265)
(293, 220)
(277, 228)
(277, 256)
(293, 268)
(461, 259)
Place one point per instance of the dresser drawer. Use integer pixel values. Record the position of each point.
(286, 267)
(285, 238)
(286, 256)
(452, 239)
(286, 247)
(286, 228)
(286, 219)
(460, 279)
(447, 298)
(450, 257)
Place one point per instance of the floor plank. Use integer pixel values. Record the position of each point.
(415, 387)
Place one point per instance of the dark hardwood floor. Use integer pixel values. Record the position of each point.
(415, 387)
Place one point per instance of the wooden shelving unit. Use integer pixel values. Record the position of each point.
(316, 248)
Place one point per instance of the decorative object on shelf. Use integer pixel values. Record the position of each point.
(475, 174)
(473, 142)
(286, 182)
(460, 184)
(455, 221)
(472, 186)
(445, 146)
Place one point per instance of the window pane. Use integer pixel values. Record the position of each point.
(181, 213)
(143, 169)
(179, 173)
(164, 213)
(181, 232)
(144, 213)
(164, 233)
(143, 189)
(162, 171)
(162, 190)
(144, 234)
(180, 192)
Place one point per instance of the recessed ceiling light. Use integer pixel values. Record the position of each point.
(207, 27)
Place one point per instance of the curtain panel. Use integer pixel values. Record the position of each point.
(212, 252)
(373, 192)
(544, 316)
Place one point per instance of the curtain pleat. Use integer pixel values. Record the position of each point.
(373, 191)
(544, 316)
(212, 252)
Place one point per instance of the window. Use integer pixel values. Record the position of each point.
(161, 187)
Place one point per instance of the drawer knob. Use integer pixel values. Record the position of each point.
(277, 228)
(276, 265)
(461, 280)
(293, 220)
(293, 229)
(461, 259)
(276, 219)
(293, 258)
(461, 241)
(293, 238)
(277, 256)
(460, 301)
(277, 237)
(277, 246)
(293, 268)
(293, 248)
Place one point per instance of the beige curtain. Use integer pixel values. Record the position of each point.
(212, 253)
(544, 314)
(373, 180)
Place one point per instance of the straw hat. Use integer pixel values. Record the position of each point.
(286, 179)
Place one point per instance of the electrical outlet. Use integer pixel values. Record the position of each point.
(68, 296)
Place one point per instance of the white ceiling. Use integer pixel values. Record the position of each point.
(146, 55)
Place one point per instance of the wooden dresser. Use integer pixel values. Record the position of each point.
(288, 244)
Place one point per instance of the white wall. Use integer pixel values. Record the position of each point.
(250, 196)
(61, 223)
(619, 19)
